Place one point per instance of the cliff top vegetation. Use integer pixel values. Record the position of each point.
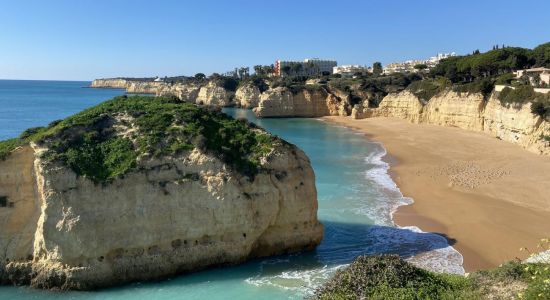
(105, 141)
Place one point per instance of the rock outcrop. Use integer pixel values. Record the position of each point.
(111, 83)
(247, 96)
(215, 95)
(144, 87)
(187, 92)
(170, 214)
(131, 86)
(516, 124)
(314, 102)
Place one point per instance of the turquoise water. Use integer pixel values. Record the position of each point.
(31, 103)
(356, 199)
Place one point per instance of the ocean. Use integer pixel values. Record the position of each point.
(356, 198)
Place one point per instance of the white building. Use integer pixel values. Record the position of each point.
(409, 65)
(308, 67)
(543, 75)
(351, 70)
(158, 79)
(435, 59)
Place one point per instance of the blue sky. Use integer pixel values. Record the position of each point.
(85, 39)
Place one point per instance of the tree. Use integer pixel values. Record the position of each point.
(421, 67)
(286, 70)
(297, 68)
(377, 68)
(200, 76)
(243, 72)
(541, 55)
(259, 70)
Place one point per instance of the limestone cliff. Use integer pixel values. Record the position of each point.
(516, 124)
(247, 96)
(167, 213)
(215, 95)
(115, 83)
(307, 102)
(131, 86)
(144, 87)
(187, 92)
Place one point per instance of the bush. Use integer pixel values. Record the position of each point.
(426, 89)
(519, 95)
(540, 109)
(505, 79)
(484, 86)
(389, 277)
(90, 146)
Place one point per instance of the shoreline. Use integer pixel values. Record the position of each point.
(463, 187)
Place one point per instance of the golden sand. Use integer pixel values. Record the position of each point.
(489, 197)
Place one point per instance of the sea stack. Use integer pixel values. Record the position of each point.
(141, 188)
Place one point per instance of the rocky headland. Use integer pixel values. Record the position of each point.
(141, 188)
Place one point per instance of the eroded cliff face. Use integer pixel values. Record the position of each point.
(247, 96)
(146, 87)
(116, 83)
(186, 92)
(467, 111)
(215, 95)
(403, 105)
(174, 215)
(131, 86)
(456, 110)
(281, 102)
(517, 125)
(19, 208)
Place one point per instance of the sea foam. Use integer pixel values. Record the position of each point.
(426, 250)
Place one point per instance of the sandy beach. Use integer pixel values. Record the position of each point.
(488, 196)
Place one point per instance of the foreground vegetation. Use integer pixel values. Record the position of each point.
(389, 277)
(105, 141)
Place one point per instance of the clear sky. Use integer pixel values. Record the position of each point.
(85, 39)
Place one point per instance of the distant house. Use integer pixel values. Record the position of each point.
(409, 65)
(158, 79)
(351, 70)
(542, 73)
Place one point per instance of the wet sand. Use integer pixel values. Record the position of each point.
(488, 196)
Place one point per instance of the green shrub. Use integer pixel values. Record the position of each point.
(540, 108)
(426, 89)
(90, 146)
(519, 95)
(522, 94)
(505, 79)
(256, 81)
(484, 86)
(388, 277)
(7, 146)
